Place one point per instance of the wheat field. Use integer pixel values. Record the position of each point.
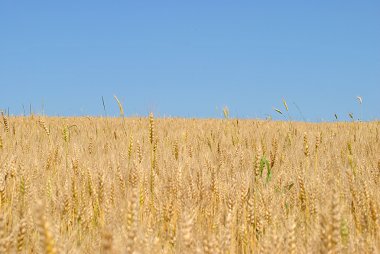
(168, 185)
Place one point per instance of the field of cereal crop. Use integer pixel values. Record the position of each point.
(168, 185)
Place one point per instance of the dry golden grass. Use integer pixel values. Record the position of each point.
(117, 185)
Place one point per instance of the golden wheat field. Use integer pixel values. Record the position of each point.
(166, 185)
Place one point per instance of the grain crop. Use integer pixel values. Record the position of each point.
(172, 185)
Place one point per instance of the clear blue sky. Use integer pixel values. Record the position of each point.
(191, 58)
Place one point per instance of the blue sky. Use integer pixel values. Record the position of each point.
(191, 58)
